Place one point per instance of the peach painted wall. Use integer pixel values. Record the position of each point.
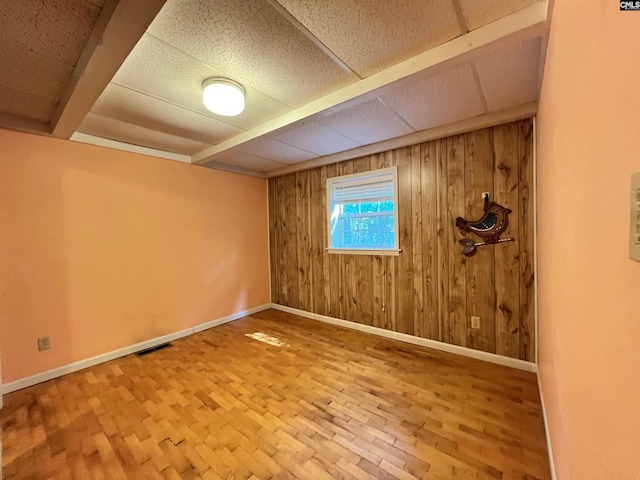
(101, 249)
(589, 290)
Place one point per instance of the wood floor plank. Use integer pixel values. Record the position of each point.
(329, 403)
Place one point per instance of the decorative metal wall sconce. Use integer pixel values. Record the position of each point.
(489, 227)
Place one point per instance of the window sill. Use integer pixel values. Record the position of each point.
(354, 251)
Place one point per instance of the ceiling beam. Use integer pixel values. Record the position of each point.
(486, 120)
(127, 147)
(524, 24)
(235, 169)
(120, 25)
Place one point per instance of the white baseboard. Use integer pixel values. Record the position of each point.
(424, 342)
(121, 352)
(547, 433)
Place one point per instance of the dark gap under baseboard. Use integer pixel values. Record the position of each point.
(147, 351)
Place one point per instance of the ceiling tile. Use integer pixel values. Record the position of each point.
(482, 12)
(250, 42)
(244, 160)
(315, 137)
(136, 135)
(29, 72)
(510, 77)
(57, 30)
(273, 150)
(26, 106)
(162, 71)
(438, 100)
(131, 106)
(370, 35)
(369, 122)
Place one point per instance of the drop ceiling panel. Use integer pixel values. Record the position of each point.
(246, 161)
(55, 29)
(370, 35)
(368, 122)
(438, 100)
(250, 42)
(29, 72)
(273, 150)
(162, 71)
(25, 105)
(316, 138)
(121, 103)
(510, 77)
(481, 12)
(136, 135)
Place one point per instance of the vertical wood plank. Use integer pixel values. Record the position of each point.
(443, 241)
(282, 242)
(363, 265)
(291, 243)
(318, 217)
(417, 242)
(480, 266)
(303, 244)
(429, 241)
(335, 290)
(456, 328)
(349, 292)
(273, 243)
(404, 279)
(379, 313)
(390, 270)
(527, 267)
(326, 277)
(507, 274)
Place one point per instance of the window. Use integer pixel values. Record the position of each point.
(362, 212)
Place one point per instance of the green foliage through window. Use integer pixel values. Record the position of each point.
(361, 211)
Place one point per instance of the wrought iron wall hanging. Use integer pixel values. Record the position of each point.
(489, 227)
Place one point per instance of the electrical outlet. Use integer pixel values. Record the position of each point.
(475, 322)
(485, 195)
(44, 343)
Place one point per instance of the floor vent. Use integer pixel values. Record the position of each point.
(147, 351)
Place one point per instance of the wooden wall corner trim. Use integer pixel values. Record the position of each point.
(121, 352)
(423, 342)
(547, 433)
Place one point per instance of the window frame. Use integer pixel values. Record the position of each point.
(372, 174)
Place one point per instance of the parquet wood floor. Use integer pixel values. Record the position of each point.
(329, 404)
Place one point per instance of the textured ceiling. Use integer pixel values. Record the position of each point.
(253, 44)
(321, 77)
(369, 35)
(41, 43)
(481, 12)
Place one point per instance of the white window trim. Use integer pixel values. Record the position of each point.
(365, 251)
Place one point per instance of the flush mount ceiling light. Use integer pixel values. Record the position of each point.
(223, 96)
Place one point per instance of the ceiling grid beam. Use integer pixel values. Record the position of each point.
(481, 94)
(120, 25)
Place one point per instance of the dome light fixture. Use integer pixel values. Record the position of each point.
(223, 96)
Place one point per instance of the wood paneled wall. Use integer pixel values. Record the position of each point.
(430, 289)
